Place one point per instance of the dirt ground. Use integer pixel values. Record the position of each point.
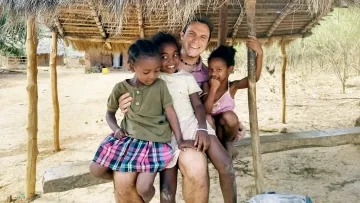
(313, 103)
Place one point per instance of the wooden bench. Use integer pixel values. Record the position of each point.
(67, 177)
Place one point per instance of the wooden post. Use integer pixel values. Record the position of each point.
(283, 89)
(32, 90)
(223, 24)
(140, 20)
(254, 128)
(54, 91)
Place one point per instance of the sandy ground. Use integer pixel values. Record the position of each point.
(324, 174)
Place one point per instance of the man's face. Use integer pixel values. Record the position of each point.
(195, 39)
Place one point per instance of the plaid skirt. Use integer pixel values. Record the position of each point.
(133, 155)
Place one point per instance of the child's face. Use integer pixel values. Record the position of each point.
(147, 69)
(218, 69)
(169, 58)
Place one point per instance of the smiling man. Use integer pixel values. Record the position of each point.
(195, 37)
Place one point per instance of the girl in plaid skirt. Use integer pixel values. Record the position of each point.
(141, 144)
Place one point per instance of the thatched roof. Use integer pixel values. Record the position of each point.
(44, 47)
(111, 25)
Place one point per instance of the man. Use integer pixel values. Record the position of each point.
(193, 164)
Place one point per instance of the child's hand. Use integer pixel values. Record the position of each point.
(120, 133)
(202, 141)
(183, 144)
(214, 84)
(125, 102)
(254, 44)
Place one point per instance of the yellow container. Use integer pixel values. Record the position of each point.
(105, 70)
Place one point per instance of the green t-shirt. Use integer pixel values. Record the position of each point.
(145, 119)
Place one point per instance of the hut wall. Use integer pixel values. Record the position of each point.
(96, 58)
(44, 60)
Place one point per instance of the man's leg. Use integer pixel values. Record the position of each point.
(223, 164)
(100, 171)
(125, 188)
(168, 185)
(193, 166)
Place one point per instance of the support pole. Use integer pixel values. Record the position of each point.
(283, 88)
(32, 90)
(254, 128)
(54, 92)
(223, 24)
(140, 20)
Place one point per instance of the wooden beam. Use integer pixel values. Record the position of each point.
(32, 91)
(254, 127)
(283, 88)
(283, 14)
(54, 92)
(237, 24)
(223, 24)
(99, 23)
(311, 23)
(140, 20)
(101, 40)
(61, 31)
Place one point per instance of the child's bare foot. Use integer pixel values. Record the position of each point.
(233, 152)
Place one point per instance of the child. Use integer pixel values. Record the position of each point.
(185, 91)
(141, 144)
(220, 92)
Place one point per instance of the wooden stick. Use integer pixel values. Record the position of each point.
(283, 88)
(237, 24)
(254, 128)
(283, 14)
(223, 24)
(140, 20)
(54, 92)
(311, 23)
(99, 23)
(61, 31)
(32, 90)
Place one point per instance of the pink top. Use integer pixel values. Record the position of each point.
(225, 103)
(200, 73)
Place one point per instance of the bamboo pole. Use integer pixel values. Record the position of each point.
(223, 24)
(254, 128)
(281, 17)
(32, 90)
(54, 92)
(140, 20)
(283, 88)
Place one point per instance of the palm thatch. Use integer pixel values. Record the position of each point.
(111, 25)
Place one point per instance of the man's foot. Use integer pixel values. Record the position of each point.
(233, 152)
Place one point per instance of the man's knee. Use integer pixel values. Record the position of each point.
(193, 166)
(144, 188)
(97, 170)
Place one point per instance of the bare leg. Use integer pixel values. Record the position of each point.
(229, 124)
(100, 171)
(193, 166)
(145, 186)
(223, 164)
(125, 188)
(168, 185)
(211, 121)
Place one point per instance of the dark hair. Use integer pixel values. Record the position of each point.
(162, 38)
(140, 48)
(201, 19)
(226, 53)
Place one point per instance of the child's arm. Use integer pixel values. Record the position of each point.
(111, 120)
(202, 139)
(254, 44)
(210, 99)
(175, 127)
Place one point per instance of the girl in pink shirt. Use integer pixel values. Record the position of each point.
(220, 92)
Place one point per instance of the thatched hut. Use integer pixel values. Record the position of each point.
(111, 25)
(44, 50)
